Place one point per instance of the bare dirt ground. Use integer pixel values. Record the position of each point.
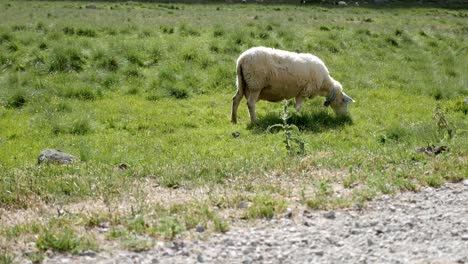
(430, 226)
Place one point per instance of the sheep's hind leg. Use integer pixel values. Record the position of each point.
(235, 104)
(251, 101)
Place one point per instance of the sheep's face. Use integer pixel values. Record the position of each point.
(340, 101)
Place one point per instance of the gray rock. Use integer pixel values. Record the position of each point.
(87, 253)
(329, 215)
(200, 228)
(465, 182)
(55, 156)
(244, 205)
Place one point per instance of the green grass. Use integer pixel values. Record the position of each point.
(64, 241)
(150, 85)
(265, 206)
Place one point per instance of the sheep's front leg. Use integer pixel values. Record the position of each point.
(251, 101)
(235, 104)
(299, 101)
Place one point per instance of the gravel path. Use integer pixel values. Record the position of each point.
(426, 227)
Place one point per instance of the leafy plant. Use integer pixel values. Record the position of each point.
(445, 131)
(293, 143)
(170, 227)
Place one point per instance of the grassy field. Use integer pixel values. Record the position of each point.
(150, 85)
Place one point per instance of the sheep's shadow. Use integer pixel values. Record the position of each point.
(314, 122)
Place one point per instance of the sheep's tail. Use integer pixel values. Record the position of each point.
(240, 82)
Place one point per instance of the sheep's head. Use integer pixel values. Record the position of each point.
(338, 100)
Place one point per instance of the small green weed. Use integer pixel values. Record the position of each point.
(317, 203)
(445, 131)
(265, 206)
(169, 227)
(294, 144)
(64, 241)
(434, 180)
(220, 225)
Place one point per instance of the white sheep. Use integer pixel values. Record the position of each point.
(274, 75)
(342, 3)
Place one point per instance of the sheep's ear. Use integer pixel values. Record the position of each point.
(348, 99)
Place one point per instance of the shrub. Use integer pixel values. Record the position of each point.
(68, 31)
(167, 29)
(178, 92)
(82, 93)
(16, 101)
(65, 60)
(218, 32)
(133, 72)
(110, 64)
(80, 127)
(86, 32)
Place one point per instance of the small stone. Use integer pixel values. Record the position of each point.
(200, 258)
(466, 100)
(329, 215)
(87, 253)
(370, 242)
(308, 222)
(307, 213)
(465, 182)
(200, 228)
(357, 206)
(465, 237)
(243, 205)
(236, 134)
(104, 224)
(319, 253)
